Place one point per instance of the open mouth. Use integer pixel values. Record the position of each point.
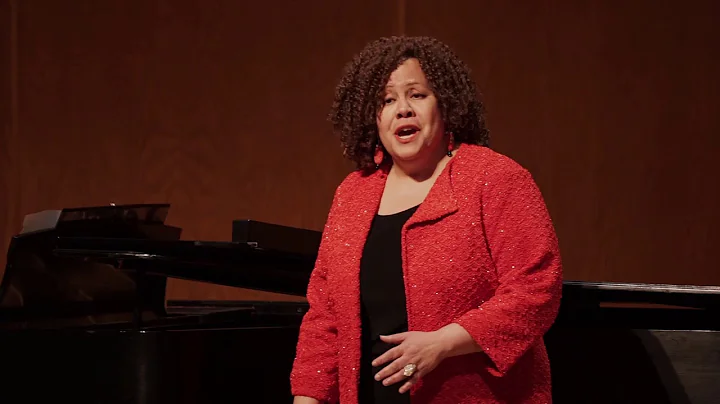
(404, 132)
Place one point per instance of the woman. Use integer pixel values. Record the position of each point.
(439, 270)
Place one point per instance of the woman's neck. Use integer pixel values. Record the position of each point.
(420, 170)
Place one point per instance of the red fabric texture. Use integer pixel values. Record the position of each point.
(480, 251)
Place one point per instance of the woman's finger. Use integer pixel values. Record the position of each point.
(395, 338)
(392, 368)
(409, 383)
(389, 355)
(396, 371)
(398, 376)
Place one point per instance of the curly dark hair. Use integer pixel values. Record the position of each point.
(359, 94)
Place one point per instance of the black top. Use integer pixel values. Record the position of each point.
(382, 297)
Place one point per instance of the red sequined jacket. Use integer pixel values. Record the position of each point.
(480, 251)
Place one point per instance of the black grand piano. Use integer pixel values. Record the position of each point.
(84, 317)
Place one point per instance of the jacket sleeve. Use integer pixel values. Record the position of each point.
(524, 248)
(314, 372)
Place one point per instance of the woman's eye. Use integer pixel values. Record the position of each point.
(388, 100)
(418, 95)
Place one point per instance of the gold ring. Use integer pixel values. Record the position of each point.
(409, 369)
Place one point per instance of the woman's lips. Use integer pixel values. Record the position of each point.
(407, 138)
(406, 133)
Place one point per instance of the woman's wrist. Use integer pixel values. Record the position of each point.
(457, 341)
(305, 400)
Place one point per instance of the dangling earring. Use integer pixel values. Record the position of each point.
(451, 143)
(378, 158)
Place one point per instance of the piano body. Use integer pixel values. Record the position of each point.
(83, 314)
(84, 317)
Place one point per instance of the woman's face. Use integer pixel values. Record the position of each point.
(410, 123)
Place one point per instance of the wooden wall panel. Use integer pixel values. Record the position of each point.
(613, 108)
(218, 108)
(8, 133)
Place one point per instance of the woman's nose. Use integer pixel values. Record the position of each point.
(404, 110)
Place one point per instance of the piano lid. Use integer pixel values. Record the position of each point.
(242, 265)
(639, 305)
(684, 296)
(95, 220)
(38, 283)
(116, 260)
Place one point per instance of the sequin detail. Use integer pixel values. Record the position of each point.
(480, 251)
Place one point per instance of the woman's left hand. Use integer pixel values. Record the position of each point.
(423, 349)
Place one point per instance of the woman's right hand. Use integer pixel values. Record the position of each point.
(305, 400)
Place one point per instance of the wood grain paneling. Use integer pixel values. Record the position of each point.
(217, 108)
(8, 131)
(612, 107)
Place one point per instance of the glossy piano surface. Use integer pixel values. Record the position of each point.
(636, 343)
(83, 263)
(83, 314)
(83, 317)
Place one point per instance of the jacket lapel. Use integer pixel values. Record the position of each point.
(362, 207)
(440, 201)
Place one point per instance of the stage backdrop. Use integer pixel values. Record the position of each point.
(219, 109)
